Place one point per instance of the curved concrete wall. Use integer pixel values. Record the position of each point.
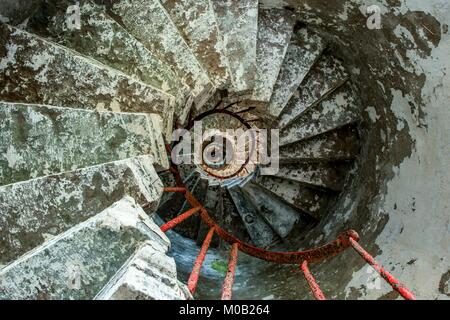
(398, 201)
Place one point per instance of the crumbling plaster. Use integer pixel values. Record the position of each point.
(398, 200)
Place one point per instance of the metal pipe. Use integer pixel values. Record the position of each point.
(193, 278)
(177, 220)
(175, 189)
(227, 289)
(315, 289)
(395, 284)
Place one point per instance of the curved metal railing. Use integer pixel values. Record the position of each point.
(302, 258)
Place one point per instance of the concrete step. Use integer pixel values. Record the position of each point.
(148, 275)
(196, 22)
(104, 40)
(237, 21)
(320, 175)
(37, 209)
(232, 221)
(303, 51)
(260, 232)
(149, 22)
(40, 140)
(326, 76)
(340, 144)
(277, 213)
(308, 200)
(275, 27)
(78, 263)
(338, 110)
(34, 70)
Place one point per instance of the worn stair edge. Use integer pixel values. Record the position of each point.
(340, 144)
(327, 76)
(324, 175)
(104, 40)
(78, 263)
(275, 27)
(35, 210)
(197, 24)
(39, 140)
(149, 22)
(280, 216)
(37, 71)
(337, 111)
(304, 50)
(232, 221)
(260, 232)
(237, 21)
(310, 201)
(148, 275)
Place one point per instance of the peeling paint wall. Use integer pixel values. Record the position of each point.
(398, 200)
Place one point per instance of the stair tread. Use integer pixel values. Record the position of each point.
(34, 209)
(237, 21)
(103, 39)
(324, 175)
(338, 110)
(196, 22)
(231, 221)
(38, 71)
(303, 50)
(148, 275)
(279, 215)
(308, 200)
(340, 144)
(260, 232)
(79, 262)
(275, 29)
(150, 24)
(327, 75)
(40, 140)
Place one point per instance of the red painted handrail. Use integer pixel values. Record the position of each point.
(314, 255)
(315, 289)
(347, 239)
(193, 278)
(227, 289)
(175, 189)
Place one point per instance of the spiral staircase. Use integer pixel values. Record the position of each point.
(87, 115)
